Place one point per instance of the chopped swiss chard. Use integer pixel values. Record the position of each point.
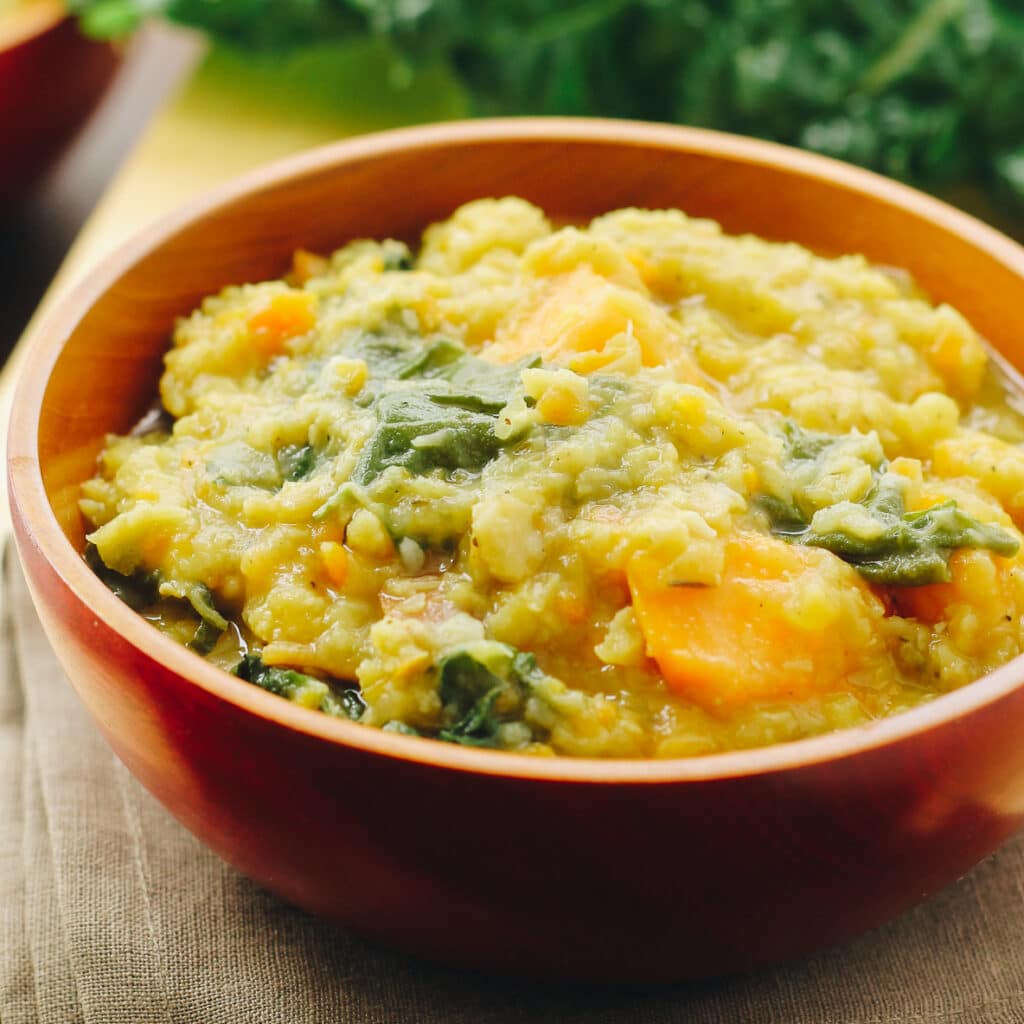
(201, 599)
(481, 690)
(439, 409)
(138, 591)
(296, 461)
(906, 548)
(343, 702)
(397, 256)
(469, 691)
(238, 464)
(332, 699)
(419, 434)
(205, 638)
(398, 356)
(401, 728)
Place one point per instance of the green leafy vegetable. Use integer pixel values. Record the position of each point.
(420, 434)
(397, 357)
(475, 383)
(931, 91)
(237, 464)
(913, 548)
(201, 599)
(900, 548)
(436, 406)
(211, 622)
(205, 638)
(470, 691)
(341, 702)
(138, 591)
(296, 461)
(481, 690)
(260, 24)
(346, 702)
(397, 257)
(786, 519)
(141, 590)
(804, 445)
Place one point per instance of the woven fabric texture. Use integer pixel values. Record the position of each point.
(111, 913)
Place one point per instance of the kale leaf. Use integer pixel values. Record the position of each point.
(479, 693)
(930, 91)
(436, 406)
(420, 434)
(329, 697)
(205, 638)
(296, 461)
(201, 599)
(138, 591)
(141, 590)
(903, 548)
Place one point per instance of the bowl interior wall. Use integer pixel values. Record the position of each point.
(106, 375)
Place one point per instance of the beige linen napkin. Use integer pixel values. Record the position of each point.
(110, 913)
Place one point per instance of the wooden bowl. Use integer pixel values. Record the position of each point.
(610, 870)
(51, 78)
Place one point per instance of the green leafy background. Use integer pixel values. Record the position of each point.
(929, 91)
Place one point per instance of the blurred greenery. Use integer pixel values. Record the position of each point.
(334, 83)
(929, 91)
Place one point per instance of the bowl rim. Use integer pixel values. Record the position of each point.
(34, 19)
(42, 531)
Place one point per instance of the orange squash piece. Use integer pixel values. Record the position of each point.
(286, 316)
(335, 562)
(577, 316)
(980, 579)
(307, 265)
(785, 621)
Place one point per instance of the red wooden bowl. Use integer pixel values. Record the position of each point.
(51, 78)
(607, 870)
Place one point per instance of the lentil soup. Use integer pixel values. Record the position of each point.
(630, 489)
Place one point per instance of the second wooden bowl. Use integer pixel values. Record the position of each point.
(566, 868)
(51, 78)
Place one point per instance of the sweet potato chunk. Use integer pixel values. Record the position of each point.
(983, 581)
(286, 316)
(784, 622)
(577, 317)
